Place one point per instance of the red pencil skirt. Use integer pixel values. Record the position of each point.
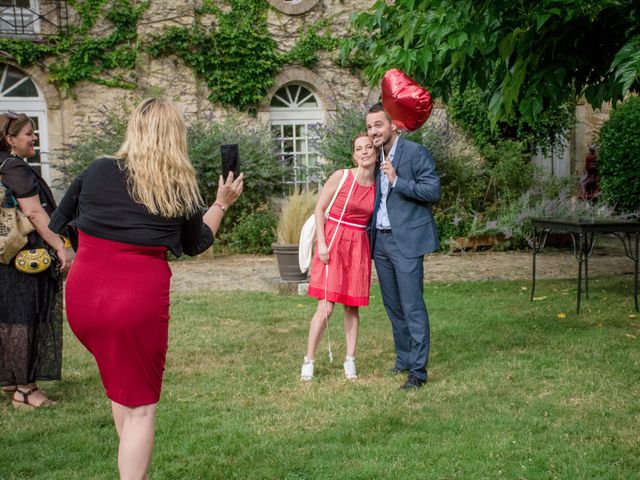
(117, 301)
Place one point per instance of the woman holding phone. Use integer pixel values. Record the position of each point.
(341, 265)
(130, 210)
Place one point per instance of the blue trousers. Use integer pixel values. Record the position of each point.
(401, 283)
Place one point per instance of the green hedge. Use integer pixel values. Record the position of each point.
(619, 156)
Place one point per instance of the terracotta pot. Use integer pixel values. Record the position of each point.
(287, 257)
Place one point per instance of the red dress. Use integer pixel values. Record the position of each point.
(349, 272)
(117, 300)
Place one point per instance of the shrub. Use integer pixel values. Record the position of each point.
(549, 198)
(511, 169)
(254, 233)
(335, 139)
(100, 139)
(467, 109)
(619, 162)
(259, 162)
(463, 178)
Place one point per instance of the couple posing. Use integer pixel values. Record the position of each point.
(394, 199)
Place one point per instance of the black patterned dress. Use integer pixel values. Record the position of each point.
(30, 307)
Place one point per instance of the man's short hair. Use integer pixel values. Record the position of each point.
(377, 107)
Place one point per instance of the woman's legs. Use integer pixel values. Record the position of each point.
(318, 324)
(135, 427)
(316, 329)
(351, 325)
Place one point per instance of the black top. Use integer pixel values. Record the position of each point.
(99, 204)
(23, 182)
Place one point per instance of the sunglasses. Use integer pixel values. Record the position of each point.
(11, 115)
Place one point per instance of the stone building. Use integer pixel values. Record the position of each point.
(298, 98)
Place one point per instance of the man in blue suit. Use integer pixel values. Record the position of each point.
(403, 230)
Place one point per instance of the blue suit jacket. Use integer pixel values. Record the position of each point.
(409, 203)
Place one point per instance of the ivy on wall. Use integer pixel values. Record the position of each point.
(80, 54)
(235, 54)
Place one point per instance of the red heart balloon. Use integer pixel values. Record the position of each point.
(407, 103)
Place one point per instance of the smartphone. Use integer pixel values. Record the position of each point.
(230, 160)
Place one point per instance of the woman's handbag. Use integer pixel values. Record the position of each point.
(308, 232)
(35, 260)
(14, 225)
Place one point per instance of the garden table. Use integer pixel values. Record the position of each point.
(584, 233)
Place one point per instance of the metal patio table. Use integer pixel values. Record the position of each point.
(584, 233)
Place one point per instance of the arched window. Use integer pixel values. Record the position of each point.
(295, 114)
(20, 94)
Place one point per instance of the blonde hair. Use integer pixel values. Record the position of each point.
(154, 153)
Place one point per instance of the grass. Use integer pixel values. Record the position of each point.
(515, 392)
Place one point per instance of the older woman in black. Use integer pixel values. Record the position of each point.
(30, 318)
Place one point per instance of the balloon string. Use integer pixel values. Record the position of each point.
(326, 267)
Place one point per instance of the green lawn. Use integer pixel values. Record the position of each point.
(515, 391)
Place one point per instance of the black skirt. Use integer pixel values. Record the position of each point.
(30, 327)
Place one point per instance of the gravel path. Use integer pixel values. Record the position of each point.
(260, 273)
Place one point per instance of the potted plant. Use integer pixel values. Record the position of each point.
(296, 208)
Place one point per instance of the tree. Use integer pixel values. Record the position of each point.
(528, 56)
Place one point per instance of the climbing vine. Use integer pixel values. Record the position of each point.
(80, 54)
(235, 54)
(313, 39)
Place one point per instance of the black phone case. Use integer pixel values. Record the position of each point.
(230, 160)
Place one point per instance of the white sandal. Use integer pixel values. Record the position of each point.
(350, 368)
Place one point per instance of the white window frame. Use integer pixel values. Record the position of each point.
(296, 115)
(33, 27)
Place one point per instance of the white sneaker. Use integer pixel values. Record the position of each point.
(350, 368)
(306, 374)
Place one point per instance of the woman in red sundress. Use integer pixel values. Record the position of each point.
(341, 265)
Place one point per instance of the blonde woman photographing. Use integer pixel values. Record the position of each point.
(131, 210)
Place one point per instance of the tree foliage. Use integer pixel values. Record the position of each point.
(529, 56)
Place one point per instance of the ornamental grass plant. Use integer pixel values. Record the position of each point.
(296, 208)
